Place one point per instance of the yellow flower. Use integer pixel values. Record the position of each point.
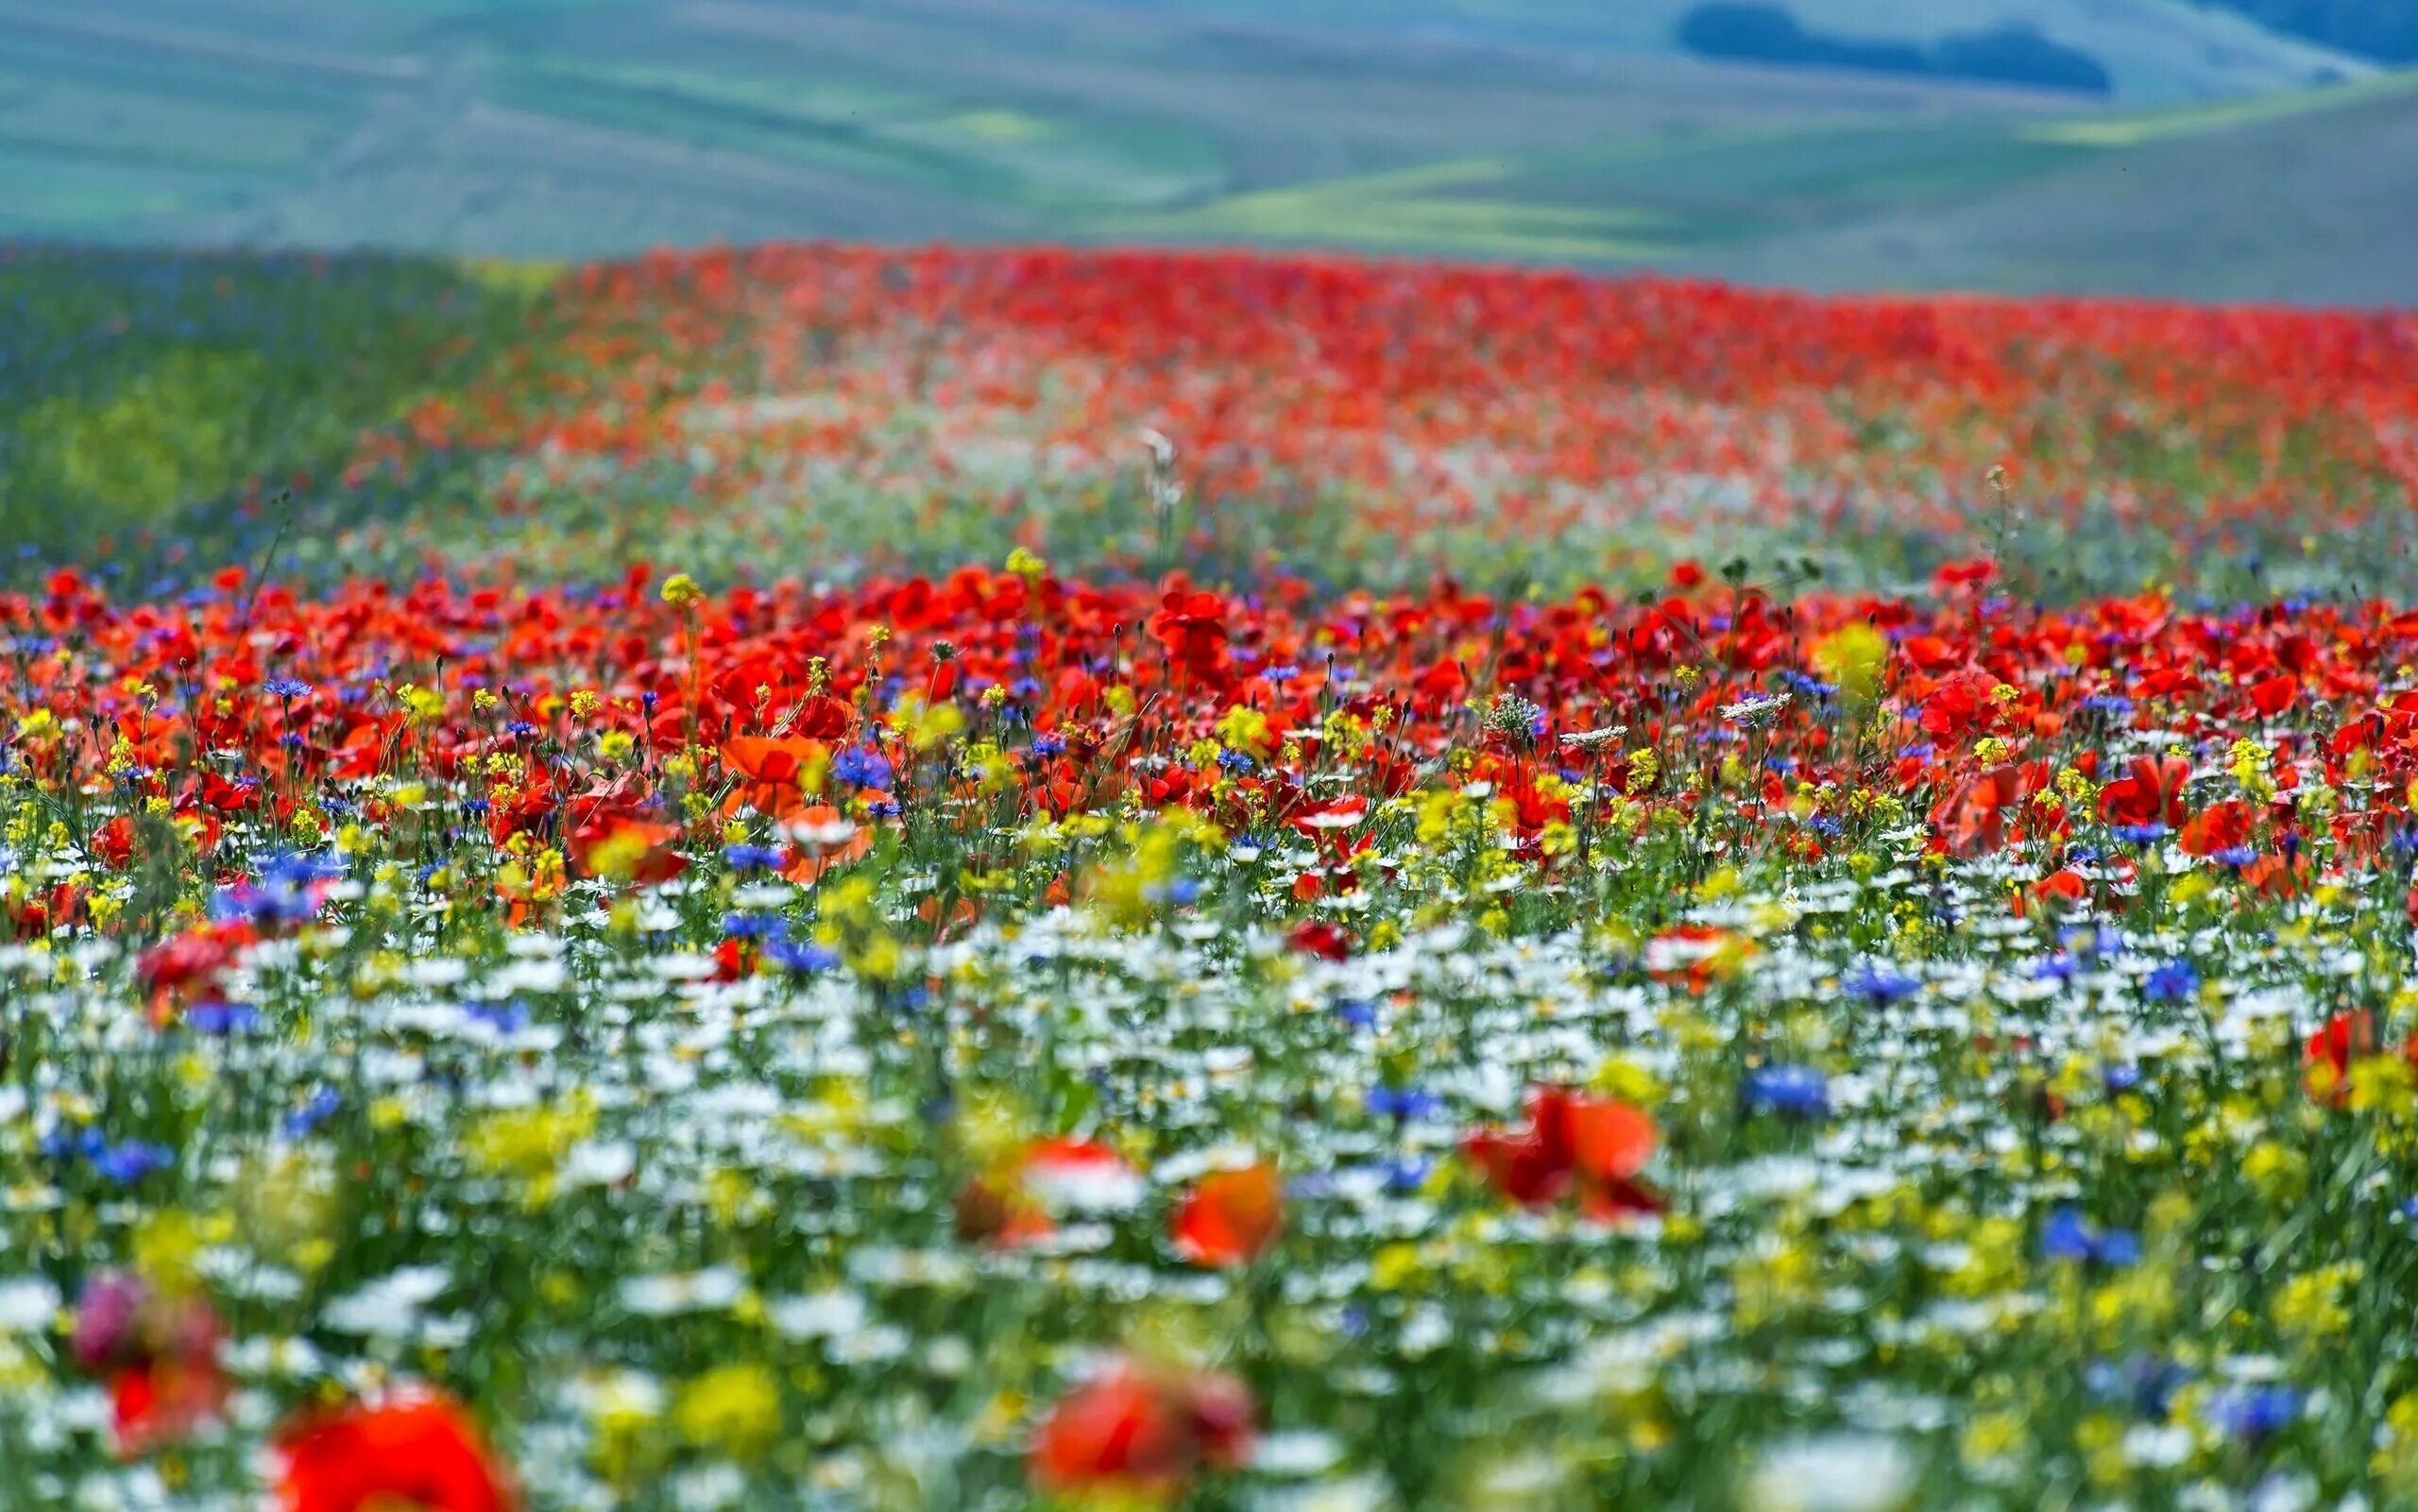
(680, 590)
(734, 1410)
(1854, 656)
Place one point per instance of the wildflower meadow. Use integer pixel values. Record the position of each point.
(835, 879)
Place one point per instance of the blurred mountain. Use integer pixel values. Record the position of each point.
(2386, 30)
(2151, 51)
(2137, 147)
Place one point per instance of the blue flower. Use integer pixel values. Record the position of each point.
(751, 926)
(286, 687)
(222, 1018)
(2068, 1237)
(2140, 834)
(1880, 987)
(1236, 761)
(861, 766)
(1357, 1011)
(2255, 1412)
(2174, 982)
(752, 858)
(804, 958)
(504, 1018)
(322, 1105)
(2057, 968)
(1049, 745)
(132, 1160)
(1792, 1091)
(2235, 856)
(1405, 1103)
(282, 895)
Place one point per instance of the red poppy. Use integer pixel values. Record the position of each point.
(2150, 792)
(1594, 1145)
(163, 1400)
(414, 1449)
(1142, 1435)
(639, 851)
(1229, 1217)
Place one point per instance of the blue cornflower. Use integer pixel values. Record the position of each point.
(2235, 856)
(1792, 1091)
(2139, 834)
(1405, 1103)
(2255, 1412)
(2068, 1237)
(72, 1144)
(1237, 762)
(222, 1018)
(504, 1018)
(282, 895)
(2058, 968)
(751, 926)
(804, 957)
(286, 687)
(322, 1105)
(2107, 704)
(132, 1160)
(752, 858)
(1184, 889)
(1049, 745)
(2174, 982)
(1357, 1011)
(861, 766)
(1281, 675)
(1880, 987)
(2122, 1078)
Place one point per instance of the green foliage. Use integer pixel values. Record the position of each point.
(133, 386)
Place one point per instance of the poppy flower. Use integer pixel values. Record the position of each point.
(1142, 1435)
(2150, 792)
(1229, 1217)
(1595, 1147)
(627, 849)
(417, 1448)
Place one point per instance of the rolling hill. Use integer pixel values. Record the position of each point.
(1526, 130)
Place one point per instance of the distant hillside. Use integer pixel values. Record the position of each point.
(2255, 204)
(2386, 30)
(2152, 51)
(562, 129)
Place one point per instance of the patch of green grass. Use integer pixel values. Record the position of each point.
(1000, 153)
(2134, 129)
(1409, 210)
(802, 99)
(141, 386)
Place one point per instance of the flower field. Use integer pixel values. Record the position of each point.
(855, 879)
